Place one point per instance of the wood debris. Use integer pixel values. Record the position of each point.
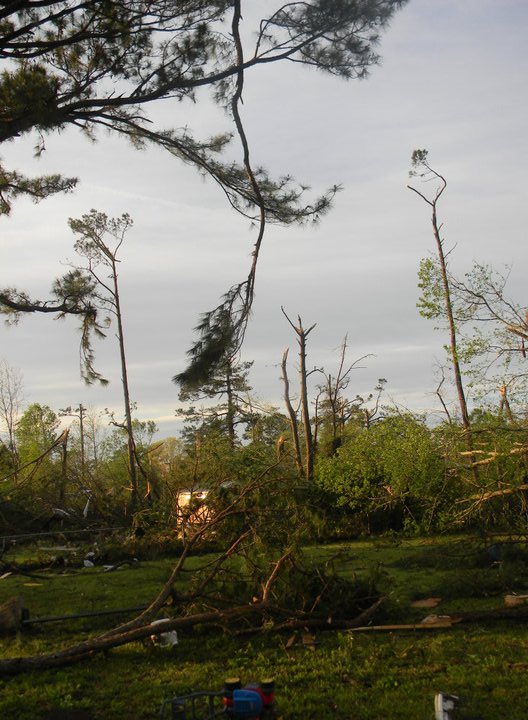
(426, 603)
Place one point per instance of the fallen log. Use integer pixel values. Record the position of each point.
(89, 648)
(16, 570)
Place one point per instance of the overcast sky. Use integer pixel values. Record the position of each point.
(453, 79)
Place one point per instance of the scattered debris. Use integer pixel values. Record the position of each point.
(89, 559)
(437, 620)
(166, 639)
(514, 600)
(304, 640)
(60, 513)
(445, 705)
(59, 548)
(427, 602)
(439, 625)
(291, 641)
(120, 565)
(308, 640)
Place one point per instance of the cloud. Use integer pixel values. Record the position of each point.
(452, 80)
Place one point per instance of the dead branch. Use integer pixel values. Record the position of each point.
(296, 620)
(446, 622)
(166, 592)
(91, 647)
(273, 576)
(291, 413)
(483, 497)
(131, 632)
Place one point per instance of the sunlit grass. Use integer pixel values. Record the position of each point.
(370, 676)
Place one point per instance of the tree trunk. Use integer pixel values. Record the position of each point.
(448, 304)
(305, 409)
(12, 614)
(302, 334)
(292, 414)
(135, 497)
(230, 416)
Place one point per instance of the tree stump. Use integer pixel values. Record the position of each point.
(12, 614)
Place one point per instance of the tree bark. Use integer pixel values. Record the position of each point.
(292, 414)
(302, 334)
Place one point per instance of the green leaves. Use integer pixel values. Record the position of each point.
(14, 184)
(419, 160)
(28, 98)
(387, 466)
(431, 303)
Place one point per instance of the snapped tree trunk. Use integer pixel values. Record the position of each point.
(302, 334)
(420, 159)
(294, 425)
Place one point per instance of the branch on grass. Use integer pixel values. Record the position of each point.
(296, 620)
(90, 648)
(446, 622)
(167, 591)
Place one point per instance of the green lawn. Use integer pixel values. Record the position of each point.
(359, 676)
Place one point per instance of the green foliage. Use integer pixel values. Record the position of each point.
(264, 430)
(419, 161)
(431, 303)
(360, 675)
(80, 53)
(37, 484)
(494, 344)
(226, 380)
(212, 351)
(28, 94)
(36, 431)
(105, 64)
(14, 184)
(393, 466)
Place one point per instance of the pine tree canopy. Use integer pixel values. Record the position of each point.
(109, 64)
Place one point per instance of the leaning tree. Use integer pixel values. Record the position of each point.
(110, 65)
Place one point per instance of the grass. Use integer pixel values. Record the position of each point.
(372, 676)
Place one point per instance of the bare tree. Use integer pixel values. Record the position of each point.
(292, 414)
(92, 244)
(11, 397)
(79, 413)
(333, 407)
(309, 446)
(423, 169)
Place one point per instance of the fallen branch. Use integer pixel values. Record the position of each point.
(261, 612)
(17, 570)
(92, 647)
(482, 497)
(445, 622)
(308, 621)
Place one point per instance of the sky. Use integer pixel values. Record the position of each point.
(453, 79)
